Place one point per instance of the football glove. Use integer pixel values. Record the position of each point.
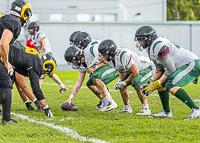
(149, 88)
(120, 85)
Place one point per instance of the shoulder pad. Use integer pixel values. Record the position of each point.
(163, 51)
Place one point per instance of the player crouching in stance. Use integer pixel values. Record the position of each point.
(97, 85)
(28, 62)
(134, 70)
(175, 68)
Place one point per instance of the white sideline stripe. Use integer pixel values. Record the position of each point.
(70, 132)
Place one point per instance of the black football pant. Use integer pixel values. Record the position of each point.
(5, 92)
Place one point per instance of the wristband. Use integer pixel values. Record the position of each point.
(95, 67)
(71, 96)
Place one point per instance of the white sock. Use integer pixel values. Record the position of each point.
(110, 96)
(127, 106)
(46, 107)
(34, 99)
(145, 106)
(26, 101)
(106, 99)
(62, 85)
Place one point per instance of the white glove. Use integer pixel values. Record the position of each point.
(120, 85)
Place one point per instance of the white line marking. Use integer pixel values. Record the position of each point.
(70, 132)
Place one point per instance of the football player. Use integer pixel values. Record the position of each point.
(10, 28)
(134, 70)
(100, 73)
(28, 62)
(43, 46)
(175, 68)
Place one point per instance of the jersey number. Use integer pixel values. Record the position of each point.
(32, 51)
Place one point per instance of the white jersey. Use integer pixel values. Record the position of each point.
(180, 56)
(125, 58)
(91, 53)
(36, 40)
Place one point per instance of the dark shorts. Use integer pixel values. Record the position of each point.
(5, 80)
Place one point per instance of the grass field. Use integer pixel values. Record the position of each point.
(90, 125)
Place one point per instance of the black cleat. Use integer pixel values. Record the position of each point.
(48, 112)
(63, 90)
(12, 121)
(29, 106)
(37, 104)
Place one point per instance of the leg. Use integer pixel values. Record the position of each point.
(143, 99)
(95, 91)
(59, 82)
(125, 96)
(106, 100)
(6, 100)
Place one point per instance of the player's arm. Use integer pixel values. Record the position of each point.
(4, 49)
(167, 61)
(22, 86)
(76, 87)
(42, 42)
(34, 81)
(134, 73)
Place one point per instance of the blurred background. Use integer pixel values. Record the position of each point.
(178, 20)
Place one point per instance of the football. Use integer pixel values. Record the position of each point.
(67, 107)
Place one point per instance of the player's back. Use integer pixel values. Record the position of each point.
(24, 58)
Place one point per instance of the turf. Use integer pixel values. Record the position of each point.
(105, 126)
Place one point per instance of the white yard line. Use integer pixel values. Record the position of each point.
(70, 132)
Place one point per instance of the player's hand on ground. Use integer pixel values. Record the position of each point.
(69, 100)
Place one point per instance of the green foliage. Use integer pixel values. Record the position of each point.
(108, 126)
(183, 10)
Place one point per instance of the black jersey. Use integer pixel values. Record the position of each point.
(23, 58)
(11, 23)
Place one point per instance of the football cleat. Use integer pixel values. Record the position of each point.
(29, 106)
(98, 106)
(107, 106)
(63, 90)
(126, 109)
(162, 114)
(114, 104)
(12, 121)
(48, 112)
(195, 113)
(144, 112)
(37, 104)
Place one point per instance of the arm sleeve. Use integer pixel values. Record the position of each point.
(34, 81)
(168, 63)
(127, 60)
(40, 36)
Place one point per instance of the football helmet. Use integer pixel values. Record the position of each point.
(35, 26)
(49, 64)
(22, 9)
(83, 39)
(147, 34)
(107, 47)
(72, 54)
(71, 38)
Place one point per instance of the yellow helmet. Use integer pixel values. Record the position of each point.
(49, 64)
(21, 8)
